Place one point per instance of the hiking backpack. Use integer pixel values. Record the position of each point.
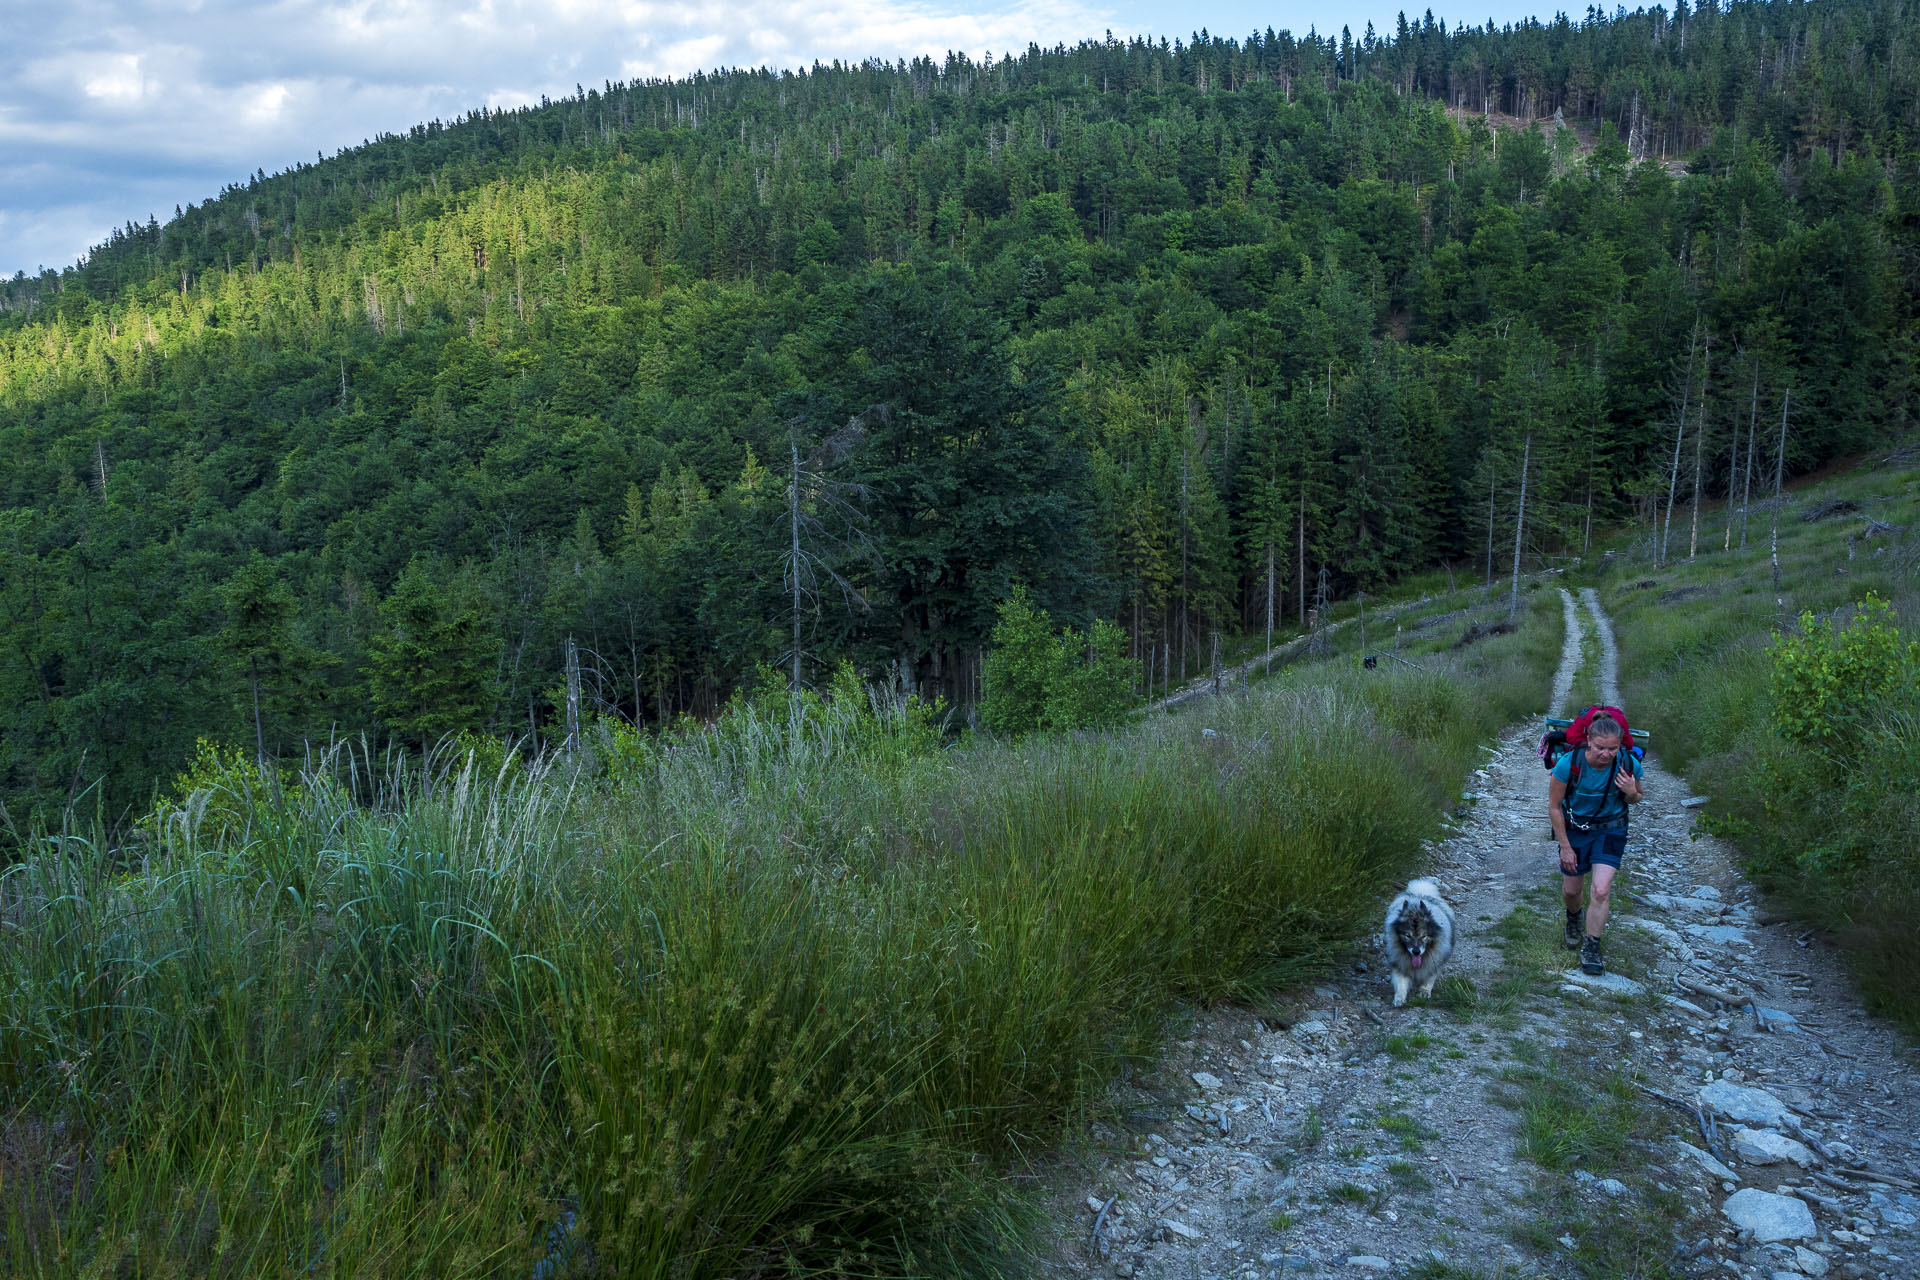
(1558, 742)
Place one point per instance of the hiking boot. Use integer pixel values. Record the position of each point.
(1591, 961)
(1576, 929)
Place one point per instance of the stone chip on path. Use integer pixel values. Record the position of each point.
(1614, 982)
(1706, 1162)
(1809, 1261)
(1764, 1146)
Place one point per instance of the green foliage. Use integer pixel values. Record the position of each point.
(432, 663)
(1094, 680)
(215, 795)
(1406, 1048)
(1830, 681)
(1019, 668)
(1037, 680)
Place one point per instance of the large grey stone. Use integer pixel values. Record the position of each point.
(1764, 1146)
(1768, 1216)
(1368, 1261)
(1207, 1080)
(1749, 1106)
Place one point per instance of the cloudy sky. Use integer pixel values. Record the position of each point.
(111, 110)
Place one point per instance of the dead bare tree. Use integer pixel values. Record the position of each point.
(1733, 473)
(1779, 476)
(1493, 479)
(1753, 426)
(573, 699)
(825, 524)
(1519, 526)
(1699, 441)
(1673, 475)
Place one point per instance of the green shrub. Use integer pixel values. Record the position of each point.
(1036, 680)
(1829, 681)
(213, 795)
(1093, 679)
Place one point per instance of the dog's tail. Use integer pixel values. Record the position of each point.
(1423, 889)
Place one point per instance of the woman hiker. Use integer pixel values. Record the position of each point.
(1587, 800)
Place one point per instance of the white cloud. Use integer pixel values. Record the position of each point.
(118, 109)
(115, 78)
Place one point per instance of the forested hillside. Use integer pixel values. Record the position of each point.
(1162, 332)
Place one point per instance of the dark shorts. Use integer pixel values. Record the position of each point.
(1603, 847)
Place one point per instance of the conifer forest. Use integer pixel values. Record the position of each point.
(712, 382)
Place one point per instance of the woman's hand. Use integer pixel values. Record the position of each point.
(1629, 786)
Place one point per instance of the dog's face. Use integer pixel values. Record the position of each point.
(1416, 932)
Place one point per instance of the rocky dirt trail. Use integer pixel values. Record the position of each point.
(1333, 1134)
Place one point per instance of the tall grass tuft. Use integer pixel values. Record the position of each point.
(786, 992)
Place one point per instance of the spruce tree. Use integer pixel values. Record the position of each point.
(433, 664)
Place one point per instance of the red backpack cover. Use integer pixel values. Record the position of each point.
(1577, 731)
(1558, 742)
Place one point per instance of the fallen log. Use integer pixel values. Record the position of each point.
(1732, 1000)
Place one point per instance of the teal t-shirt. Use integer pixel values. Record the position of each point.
(1593, 801)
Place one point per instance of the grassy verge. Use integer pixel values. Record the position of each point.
(1586, 681)
(1825, 812)
(790, 992)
